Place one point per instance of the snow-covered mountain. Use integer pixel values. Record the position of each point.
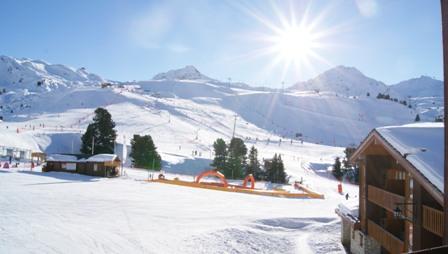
(425, 94)
(188, 104)
(344, 81)
(36, 74)
(189, 72)
(423, 86)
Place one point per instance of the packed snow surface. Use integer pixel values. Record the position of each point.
(422, 145)
(68, 213)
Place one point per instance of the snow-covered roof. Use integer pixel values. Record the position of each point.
(102, 157)
(349, 210)
(422, 145)
(62, 157)
(81, 158)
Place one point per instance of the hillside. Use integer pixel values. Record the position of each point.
(36, 74)
(424, 93)
(423, 86)
(197, 107)
(344, 81)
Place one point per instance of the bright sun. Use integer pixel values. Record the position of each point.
(294, 44)
(293, 40)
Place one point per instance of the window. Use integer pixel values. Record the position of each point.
(95, 167)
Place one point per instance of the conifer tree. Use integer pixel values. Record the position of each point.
(417, 118)
(100, 133)
(236, 159)
(220, 149)
(144, 153)
(280, 172)
(254, 165)
(275, 170)
(337, 169)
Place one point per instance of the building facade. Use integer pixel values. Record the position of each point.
(401, 190)
(105, 165)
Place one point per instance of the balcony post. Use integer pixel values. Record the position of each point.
(417, 227)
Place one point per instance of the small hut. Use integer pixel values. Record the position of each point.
(106, 165)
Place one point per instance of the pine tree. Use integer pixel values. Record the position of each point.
(281, 175)
(254, 165)
(417, 118)
(337, 170)
(236, 159)
(101, 133)
(219, 146)
(144, 153)
(275, 170)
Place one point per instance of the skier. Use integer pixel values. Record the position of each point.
(346, 196)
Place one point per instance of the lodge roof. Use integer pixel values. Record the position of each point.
(417, 147)
(81, 157)
(421, 145)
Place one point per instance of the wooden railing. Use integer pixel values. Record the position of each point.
(386, 239)
(385, 199)
(433, 220)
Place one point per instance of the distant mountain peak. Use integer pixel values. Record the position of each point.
(188, 72)
(423, 86)
(28, 73)
(342, 80)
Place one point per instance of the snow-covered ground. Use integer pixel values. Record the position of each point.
(69, 213)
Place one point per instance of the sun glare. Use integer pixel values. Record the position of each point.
(294, 40)
(294, 44)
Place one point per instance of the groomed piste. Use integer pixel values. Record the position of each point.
(224, 185)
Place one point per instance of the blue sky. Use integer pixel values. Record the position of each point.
(389, 40)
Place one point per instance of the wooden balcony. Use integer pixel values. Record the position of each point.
(433, 220)
(385, 199)
(389, 242)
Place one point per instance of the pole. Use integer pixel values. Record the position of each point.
(234, 127)
(93, 143)
(444, 7)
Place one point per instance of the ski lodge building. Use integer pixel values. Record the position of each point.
(401, 188)
(106, 165)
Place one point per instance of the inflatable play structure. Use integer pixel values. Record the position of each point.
(248, 186)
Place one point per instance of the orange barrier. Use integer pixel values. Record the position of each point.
(214, 186)
(225, 186)
(250, 178)
(310, 192)
(212, 172)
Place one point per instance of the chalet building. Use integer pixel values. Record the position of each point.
(106, 165)
(400, 191)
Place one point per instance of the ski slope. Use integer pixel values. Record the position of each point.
(62, 212)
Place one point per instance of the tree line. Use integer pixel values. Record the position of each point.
(100, 138)
(235, 162)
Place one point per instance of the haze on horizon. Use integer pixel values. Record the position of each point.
(263, 43)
